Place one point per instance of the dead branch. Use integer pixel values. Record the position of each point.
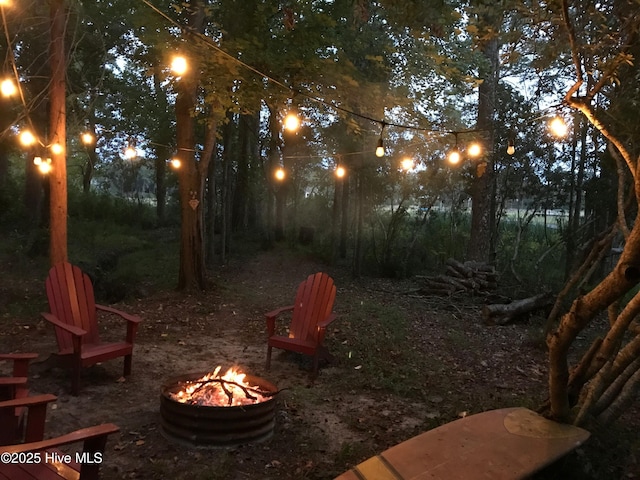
(502, 314)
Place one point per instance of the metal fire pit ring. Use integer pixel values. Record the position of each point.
(216, 426)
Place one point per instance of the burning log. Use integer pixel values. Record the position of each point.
(502, 314)
(470, 277)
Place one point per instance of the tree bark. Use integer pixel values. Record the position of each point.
(192, 273)
(57, 135)
(481, 241)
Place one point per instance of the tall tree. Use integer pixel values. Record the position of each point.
(57, 137)
(604, 39)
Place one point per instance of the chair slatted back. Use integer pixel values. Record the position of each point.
(71, 300)
(313, 303)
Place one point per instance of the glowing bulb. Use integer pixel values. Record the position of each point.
(175, 162)
(511, 148)
(454, 156)
(87, 138)
(280, 174)
(7, 87)
(4, 3)
(380, 148)
(27, 139)
(474, 150)
(407, 164)
(130, 153)
(291, 122)
(44, 165)
(179, 65)
(558, 127)
(57, 149)
(340, 172)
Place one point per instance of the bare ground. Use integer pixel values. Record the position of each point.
(324, 427)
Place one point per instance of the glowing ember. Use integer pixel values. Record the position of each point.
(228, 390)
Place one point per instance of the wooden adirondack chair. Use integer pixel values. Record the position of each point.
(43, 465)
(312, 312)
(11, 388)
(74, 316)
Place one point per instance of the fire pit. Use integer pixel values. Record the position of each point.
(209, 410)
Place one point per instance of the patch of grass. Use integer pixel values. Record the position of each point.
(377, 348)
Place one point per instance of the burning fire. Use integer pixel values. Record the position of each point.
(228, 390)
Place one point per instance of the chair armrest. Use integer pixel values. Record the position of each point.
(20, 362)
(72, 329)
(271, 318)
(6, 381)
(83, 434)
(29, 401)
(323, 324)
(128, 317)
(278, 311)
(18, 356)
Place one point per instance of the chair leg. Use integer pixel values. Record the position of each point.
(268, 364)
(127, 365)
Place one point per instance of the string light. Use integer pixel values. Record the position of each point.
(8, 88)
(292, 121)
(558, 127)
(87, 138)
(340, 172)
(27, 138)
(474, 150)
(511, 148)
(407, 164)
(57, 149)
(175, 163)
(43, 164)
(280, 174)
(179, 65)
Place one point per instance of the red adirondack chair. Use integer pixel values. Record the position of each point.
(39, 463)
(13, 387)
(312, 312)
(74, 316)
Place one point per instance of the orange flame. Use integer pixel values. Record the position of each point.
(228, 390)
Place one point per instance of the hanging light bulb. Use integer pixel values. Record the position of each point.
(407, 164)
(130, 151)
(8, 88)
(57, 149)
(175, 162)
(454, 156)
(27, 138)
(280, 174)
(179, 65)
(558, 127)
(474, 150)
(380, 147)
(87, 138)
(292, 121)
(43, 164)
(340, 172)
(511, 148)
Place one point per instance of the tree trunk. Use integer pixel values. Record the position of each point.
(481, 242)
(192, 273)
(57, 135)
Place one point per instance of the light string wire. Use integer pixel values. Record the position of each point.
(295, 91)
(14, 70)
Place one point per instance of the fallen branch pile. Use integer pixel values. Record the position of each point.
(469, 277)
